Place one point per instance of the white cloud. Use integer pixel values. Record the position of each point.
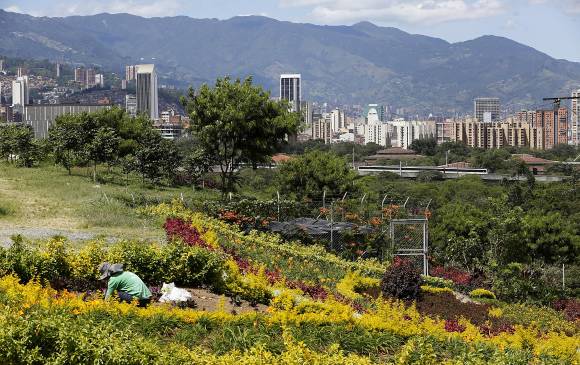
(13, 9)
(408, 11)
(146, 8)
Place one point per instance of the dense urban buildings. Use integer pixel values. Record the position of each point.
(487, 110)
(147, 97)
(539, 129)
(290, 90)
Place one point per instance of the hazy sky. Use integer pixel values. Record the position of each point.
(551, 26)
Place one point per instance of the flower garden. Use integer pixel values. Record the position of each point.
(321, 309)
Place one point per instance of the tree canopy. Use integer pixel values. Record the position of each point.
(237, 122)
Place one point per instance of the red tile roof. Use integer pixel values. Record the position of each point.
(533, 160)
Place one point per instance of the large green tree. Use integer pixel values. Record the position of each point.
(17, 144)
(237, 122)
(309, 175)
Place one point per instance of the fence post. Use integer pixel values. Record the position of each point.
(563, 277)
(363, 210)
(331, 226)
(278, 193)
(324, 199)
(230, 196)
(383, 207)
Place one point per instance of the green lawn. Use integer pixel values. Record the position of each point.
(47, 197)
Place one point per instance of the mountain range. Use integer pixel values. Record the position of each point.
(363, 63)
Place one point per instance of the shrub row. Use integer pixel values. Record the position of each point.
(186, 266)
(42, 326)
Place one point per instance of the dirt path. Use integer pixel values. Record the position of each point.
(45, 233)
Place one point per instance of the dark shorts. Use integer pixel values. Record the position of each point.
(128, 298)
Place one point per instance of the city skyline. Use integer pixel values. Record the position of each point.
(452, 20)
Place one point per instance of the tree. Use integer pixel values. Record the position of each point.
(237, 122)
(196, 164)
(102, 148)
(17, 144)
(551, 239)
(67, 138)
(427, 147)
(493, 160)
(309, 175)
(155, 157)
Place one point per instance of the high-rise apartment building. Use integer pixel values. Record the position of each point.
(147, 97)
(1, 65)
(321, 128)
(290, 90)
(487, 110)
(515, 132)
(20, 93)
(575, 119)
(377, 133)
(131, 105)
(404, 132)
(86, 77)
(555, 126)
(57, 67)
(80, 76)
(90, 77)
(130, 73)
(337, 120)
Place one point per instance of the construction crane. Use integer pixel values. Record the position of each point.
(558, 100)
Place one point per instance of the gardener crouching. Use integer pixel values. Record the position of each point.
(128, 285)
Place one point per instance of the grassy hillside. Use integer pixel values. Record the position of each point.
(47, 197)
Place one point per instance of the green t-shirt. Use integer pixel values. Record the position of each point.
(129, 283)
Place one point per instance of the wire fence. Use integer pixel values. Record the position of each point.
(350, 225)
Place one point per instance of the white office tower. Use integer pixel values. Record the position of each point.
(373, 116)
(100, 80)
(131, 105)
(147, 98)
(376, 132)
(404, 133)
(290, 90)
(20, 96)
(487, 110)
(575, 124)
(337, 121)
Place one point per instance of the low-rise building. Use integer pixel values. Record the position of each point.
(41, 117)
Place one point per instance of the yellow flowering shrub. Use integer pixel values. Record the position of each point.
(251, 287)
(353, 284)
(435, 290)
(482, 293)
(18, 302)
(495, 312)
